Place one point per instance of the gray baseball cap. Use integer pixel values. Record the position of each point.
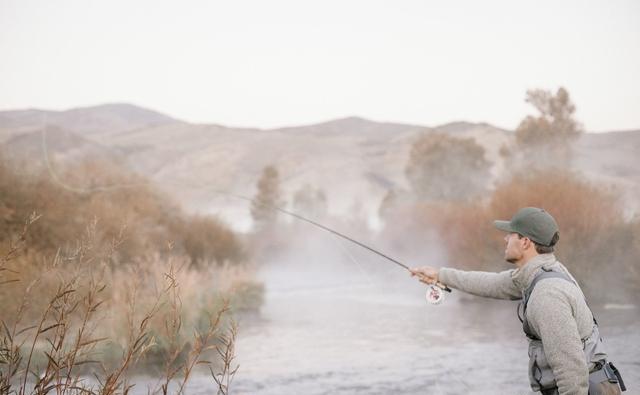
(532, 222)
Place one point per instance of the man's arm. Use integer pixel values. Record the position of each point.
(490, 285)
(550, 315)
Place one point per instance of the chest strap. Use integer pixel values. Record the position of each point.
(527, 294)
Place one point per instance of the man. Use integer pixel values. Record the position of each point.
(566, 354)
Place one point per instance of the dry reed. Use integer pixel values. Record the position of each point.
(59, 343)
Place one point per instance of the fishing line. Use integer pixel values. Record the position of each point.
(346, 251)
(71, 188)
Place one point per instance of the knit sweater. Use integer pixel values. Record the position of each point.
(557, 313)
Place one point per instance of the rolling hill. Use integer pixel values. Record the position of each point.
(355, 161)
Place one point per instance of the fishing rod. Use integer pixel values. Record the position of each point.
(432, 295)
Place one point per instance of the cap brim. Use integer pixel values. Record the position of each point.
(503, 226)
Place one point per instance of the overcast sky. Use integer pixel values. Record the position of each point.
(288, 62)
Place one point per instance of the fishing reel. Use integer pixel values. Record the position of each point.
(435, 293)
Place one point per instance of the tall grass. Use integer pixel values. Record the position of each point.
(73, 323)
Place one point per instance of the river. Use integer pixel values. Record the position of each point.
(319, 334)
(381, 337)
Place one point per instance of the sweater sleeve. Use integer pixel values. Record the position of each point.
(550, 315)
(490, 285)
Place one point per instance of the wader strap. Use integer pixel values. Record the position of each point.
(545, 274)
(616, 372)
(527, 294)
(606, 372)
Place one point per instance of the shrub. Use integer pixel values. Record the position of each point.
(597, 243)
(207, 239)
(117, 199)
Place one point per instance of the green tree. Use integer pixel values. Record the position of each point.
(442, 167)
(267, 197)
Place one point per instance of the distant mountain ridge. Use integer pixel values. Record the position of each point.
(354, 160)
(105, 118)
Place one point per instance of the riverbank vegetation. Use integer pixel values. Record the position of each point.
(102, 283)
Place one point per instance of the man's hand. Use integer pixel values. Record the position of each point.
(426, 274)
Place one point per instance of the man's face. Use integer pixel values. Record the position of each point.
(514, 250)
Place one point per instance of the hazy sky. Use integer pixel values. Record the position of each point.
(286, 62)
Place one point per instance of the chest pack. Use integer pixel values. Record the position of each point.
(540, 373)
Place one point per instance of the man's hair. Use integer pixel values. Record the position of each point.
(541, 249)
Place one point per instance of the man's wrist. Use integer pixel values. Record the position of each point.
(444, 275)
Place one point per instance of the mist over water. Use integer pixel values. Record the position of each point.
(338, 320)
